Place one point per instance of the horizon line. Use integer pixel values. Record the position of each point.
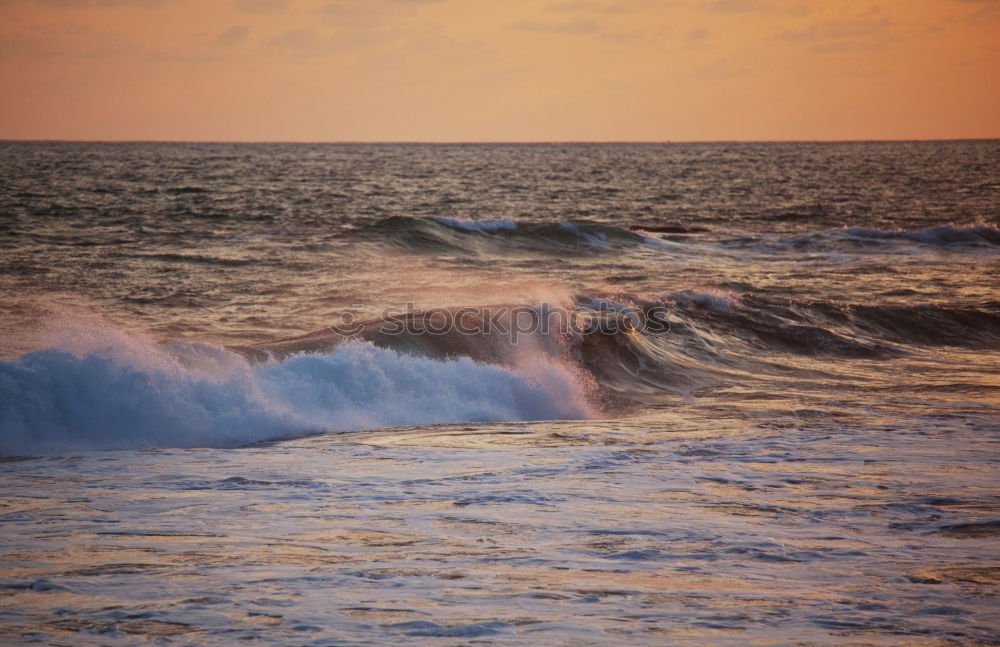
(497, 142)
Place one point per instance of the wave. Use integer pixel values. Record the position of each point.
(137, 394)
(481, 226)
(824, 327)
(977, 236)
(598, 352)
(641, 349)
(504, 235)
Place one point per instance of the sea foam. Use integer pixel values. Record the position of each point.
(142, 395)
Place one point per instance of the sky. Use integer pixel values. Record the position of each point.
(499, 70)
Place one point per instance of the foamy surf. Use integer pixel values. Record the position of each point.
(144, 395)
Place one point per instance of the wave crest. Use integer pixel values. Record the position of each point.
(972, 234)
(456, 235)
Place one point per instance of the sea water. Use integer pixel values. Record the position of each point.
(500, 394)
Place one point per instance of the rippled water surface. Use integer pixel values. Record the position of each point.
(766, 410)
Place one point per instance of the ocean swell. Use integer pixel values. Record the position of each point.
(976, 234)
(975, 237)
(456, 235)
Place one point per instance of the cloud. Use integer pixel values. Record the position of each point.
(69, 40)
(300, 42)
(621, 36)
(308, 42)
(863, 33)
(564, 27)
(780, 7)
(179, 56)
(837, 30)
(735, 6)
(723, 68)
(148, 4)
(367, 23)
(986, 10)
(368, 14)
(260, 6)
(584, 6)
(233, 36)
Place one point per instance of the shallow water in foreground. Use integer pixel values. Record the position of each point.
(595, 533)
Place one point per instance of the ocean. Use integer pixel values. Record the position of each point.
(487, 394)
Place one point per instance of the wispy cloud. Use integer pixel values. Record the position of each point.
(260, 6)
(557, 27)
(585, 6)
(322, 40)
(179, 56)
(298, 42)
(723, 68)
(149, 4)
(862, 33)
(233, 36)
(986, 10)
(369, 14)
(621, 37)
(69, 40)
(735, 6)
(776, 7)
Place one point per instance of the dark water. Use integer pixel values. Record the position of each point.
(766, 408)
(248, 242)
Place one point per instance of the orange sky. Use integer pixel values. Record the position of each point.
(499, 70)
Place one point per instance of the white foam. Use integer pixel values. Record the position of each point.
(137, 394)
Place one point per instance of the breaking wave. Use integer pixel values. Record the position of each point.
(137, 394)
